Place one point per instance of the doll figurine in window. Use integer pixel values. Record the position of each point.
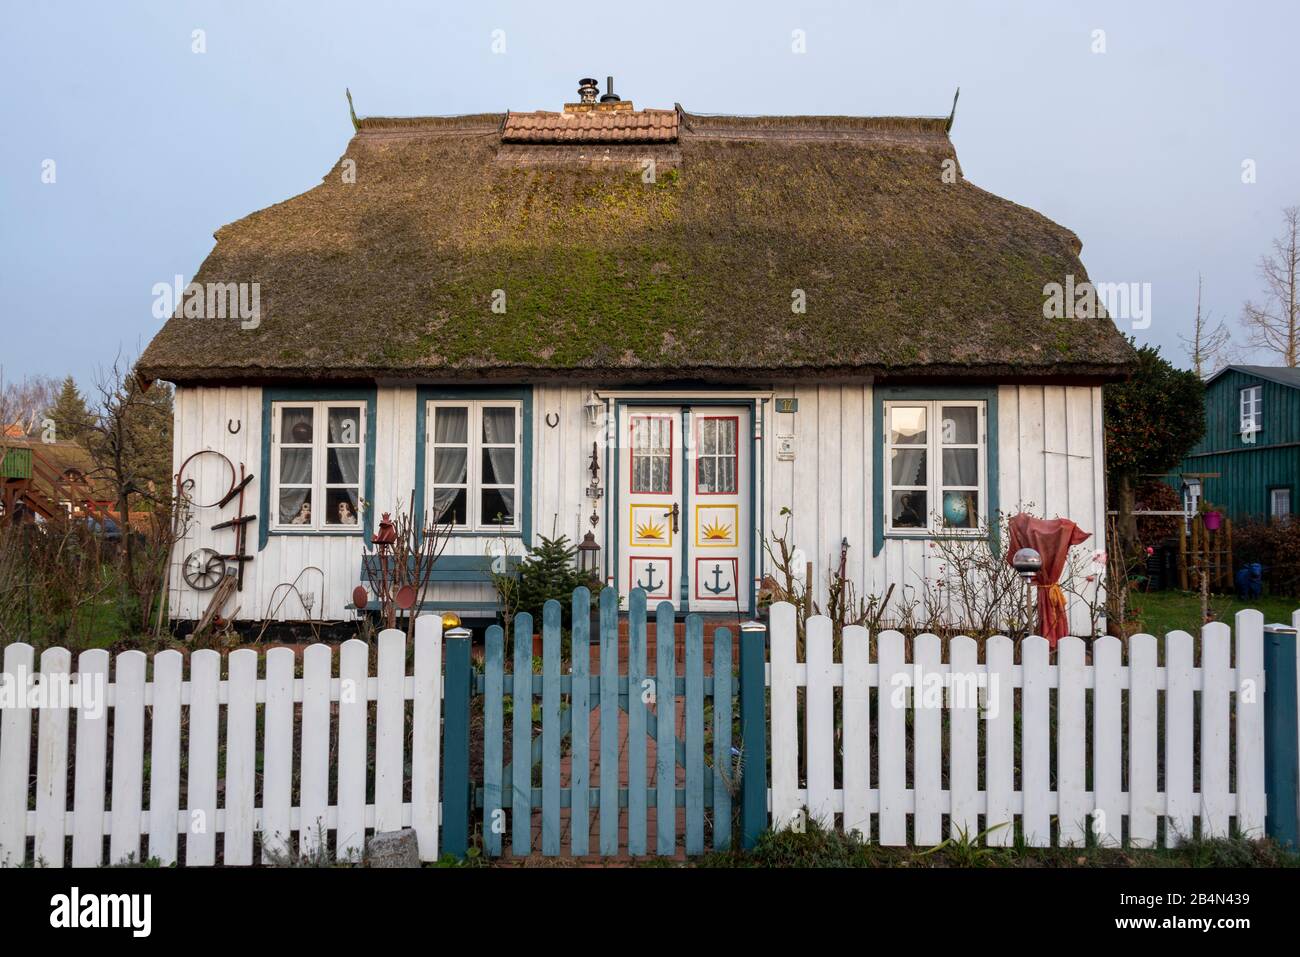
(347, 516)
(304, 515)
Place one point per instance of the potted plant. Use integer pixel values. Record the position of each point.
(1211, 517)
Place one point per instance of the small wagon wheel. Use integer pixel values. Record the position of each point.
(203, 569)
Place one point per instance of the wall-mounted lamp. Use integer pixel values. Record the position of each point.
(593, 406)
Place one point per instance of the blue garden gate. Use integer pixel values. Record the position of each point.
(686, 719)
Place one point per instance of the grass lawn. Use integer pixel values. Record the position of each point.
(1161, 612)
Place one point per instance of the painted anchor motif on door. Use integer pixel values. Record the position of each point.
(653, 573)
(715, 578)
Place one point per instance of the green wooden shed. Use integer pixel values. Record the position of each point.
(1248, 462)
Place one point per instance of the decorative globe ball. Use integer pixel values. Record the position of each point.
(956, 508)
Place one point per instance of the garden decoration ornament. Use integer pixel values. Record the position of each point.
(1052, 540)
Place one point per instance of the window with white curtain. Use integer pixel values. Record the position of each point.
(317, 465)
(934, 466)
(473, 464)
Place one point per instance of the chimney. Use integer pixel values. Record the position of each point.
(588, 102)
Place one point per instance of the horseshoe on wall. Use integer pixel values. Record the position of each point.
(232, 428)
(549, 415)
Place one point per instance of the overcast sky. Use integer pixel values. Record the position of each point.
(1138, 149)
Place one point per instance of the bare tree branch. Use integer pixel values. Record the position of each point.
(1272, 324)
(1209, 346)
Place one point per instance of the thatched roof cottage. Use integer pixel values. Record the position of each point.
(745, 314)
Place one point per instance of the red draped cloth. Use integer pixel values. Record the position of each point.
(1052, 538)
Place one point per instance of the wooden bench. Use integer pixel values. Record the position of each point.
(470, 569)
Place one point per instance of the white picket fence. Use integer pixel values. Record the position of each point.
(1229, 687)
(293, 710)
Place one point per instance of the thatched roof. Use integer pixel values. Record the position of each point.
(607, 276)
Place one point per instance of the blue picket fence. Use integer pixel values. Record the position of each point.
(685, 720)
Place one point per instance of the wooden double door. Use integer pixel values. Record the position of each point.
(684, 521)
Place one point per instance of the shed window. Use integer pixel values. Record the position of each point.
(474, 447)
(1279, 503)
(935, 466)
(1252, 408)
(317, 465)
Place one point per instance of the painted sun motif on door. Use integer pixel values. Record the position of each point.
(715, 526)
(649, 527)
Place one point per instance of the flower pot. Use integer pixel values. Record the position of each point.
(537, 646)
(1212, 521)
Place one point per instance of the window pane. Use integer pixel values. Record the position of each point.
(960, 509)
(295, 506)
(707, 474)
(907, 425)
(658, 436)
(342, 466)
(960, 467)
(908, 510)
(658, 474)
(341, 506)
(908, 467)
(451, 425)
(727, 475)
(708, 436)
(640, 472)
(450, 466)
(498, 466)
(727, 436)
(295, 466)
(498, 425)
(498, 506)
(960, 425)
(448, 505)
(345, 425)
(1281, 502)
(650, 473)
(296, 425)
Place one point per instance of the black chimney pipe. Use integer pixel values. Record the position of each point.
(610, 96)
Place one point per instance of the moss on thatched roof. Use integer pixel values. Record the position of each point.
(607, 276)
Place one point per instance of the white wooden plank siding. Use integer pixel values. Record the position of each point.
(184, 716)
(1049, 462)
(1151, 807)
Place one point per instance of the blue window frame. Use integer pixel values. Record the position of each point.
(483, 452)
(930, 483)
(331, 460)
